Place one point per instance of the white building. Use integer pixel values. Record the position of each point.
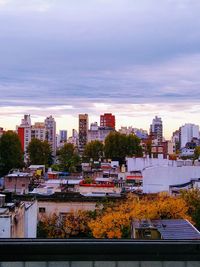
(38, 131)
(187, 132)
(159, 174)
(50, 129)
(160, 178)
(98, 132)
(30, 225)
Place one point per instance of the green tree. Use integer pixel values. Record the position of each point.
(39, 152)
(197, 152)
(118, 146)
(93, 150)
(11, 154)
(68, 158)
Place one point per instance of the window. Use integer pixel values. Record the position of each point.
(42, 210)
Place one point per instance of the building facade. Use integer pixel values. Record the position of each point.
(187, 133)
(107, 120)
(83, 131)
(156, 130)
(50, 133)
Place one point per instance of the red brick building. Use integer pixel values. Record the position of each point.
(107, 120)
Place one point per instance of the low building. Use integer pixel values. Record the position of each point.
(12, 219)
(173, 229)
(161, 178)
(18, 182)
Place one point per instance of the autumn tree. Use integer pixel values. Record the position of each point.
(115, 222)
(11, 154)
(39, 152)
(94, 150)
(192, 198)
(73, 224)
(68, 158)
(118, 146)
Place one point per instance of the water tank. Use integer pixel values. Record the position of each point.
(2, 200)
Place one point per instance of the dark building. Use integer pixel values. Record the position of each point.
(83, 131)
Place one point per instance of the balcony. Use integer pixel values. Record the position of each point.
(98, 253)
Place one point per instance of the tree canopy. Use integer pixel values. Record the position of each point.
(94, 150)
(39, 152)
(11, 154)
(68, 158)
(115, 221)
(197, 152)
(118, 146)
(192, 198)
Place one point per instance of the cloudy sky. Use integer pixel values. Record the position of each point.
(134, 58)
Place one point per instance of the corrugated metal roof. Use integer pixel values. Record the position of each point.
(176, 229)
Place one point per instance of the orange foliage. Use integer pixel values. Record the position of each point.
(112, 222)
(69, 225)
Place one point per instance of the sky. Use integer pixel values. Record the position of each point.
(134, 58)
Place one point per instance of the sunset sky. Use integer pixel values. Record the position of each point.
(134, 58)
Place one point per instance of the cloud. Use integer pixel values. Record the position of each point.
(23, 5)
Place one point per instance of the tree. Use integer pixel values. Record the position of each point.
(11, 154)
(68, 158)
(197, 152)
(72, 224)
(39, 152)
(192, 198)
(115, 222)
(118, 146)
(93, 150)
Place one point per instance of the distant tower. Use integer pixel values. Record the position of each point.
(156, 130)
(50, 130)
(63, 136)
(107, 120)
(24, 133)
(83, 131)
(187, 132)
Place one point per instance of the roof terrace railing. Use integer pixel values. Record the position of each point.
(22, 250)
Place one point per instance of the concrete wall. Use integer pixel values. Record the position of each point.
(63, 207)
(159, 178)
(138, 164)
(5, 226)
(31, 219)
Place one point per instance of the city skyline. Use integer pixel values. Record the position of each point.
(133, 59)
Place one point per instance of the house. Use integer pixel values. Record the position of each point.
(18, 182)
(173, 229)
(12, 219)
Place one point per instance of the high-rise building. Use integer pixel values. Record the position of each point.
(156, 130)
(38, 131)
(187, 132)
(24, 133)
(50, 133)
(83, 131)
(98, 132)
(62, 138)
(107, 120)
